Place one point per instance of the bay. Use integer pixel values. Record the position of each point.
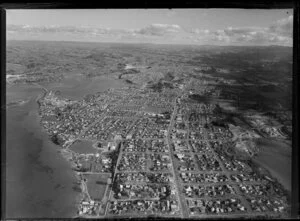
(39, 181)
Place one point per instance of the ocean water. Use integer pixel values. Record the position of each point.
(276, 157)
(76, 87)
(39, 181)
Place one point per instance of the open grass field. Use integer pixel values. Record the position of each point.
(83, 147)
(96, 184)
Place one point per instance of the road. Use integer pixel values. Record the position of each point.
(181, 199)
(227, 173)
(113, 179)
(178, 184)
(103, 115)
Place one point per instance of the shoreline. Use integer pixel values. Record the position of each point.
(16, 103)
(79, 196)
(68, 154)
(273, 173)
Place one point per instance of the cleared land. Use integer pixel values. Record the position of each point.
(96, 184)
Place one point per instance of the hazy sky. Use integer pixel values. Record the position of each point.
(178, 26)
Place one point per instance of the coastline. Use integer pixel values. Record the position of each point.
(279, 176)
(40, 96)
(275, 156)
(80, 195)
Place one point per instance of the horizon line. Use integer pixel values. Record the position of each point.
(148, 43)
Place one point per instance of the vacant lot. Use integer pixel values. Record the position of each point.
(96, 184)
(83, 147)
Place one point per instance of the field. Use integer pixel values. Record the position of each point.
(83, 147)
(96, 184)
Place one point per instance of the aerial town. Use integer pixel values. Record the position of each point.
(167, 113)
(142, 153)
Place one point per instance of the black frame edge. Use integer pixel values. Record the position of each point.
(3, 108)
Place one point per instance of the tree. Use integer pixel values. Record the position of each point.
(88, 98)
(57, 112)
(57, 139)
(57, 93)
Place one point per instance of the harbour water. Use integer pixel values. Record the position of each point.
(276, 157)
(76, 87)
(39, 181)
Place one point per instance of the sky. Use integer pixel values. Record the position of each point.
(161, 26)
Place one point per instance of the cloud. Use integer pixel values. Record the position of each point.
(199, 31)
(279, 33)
(66, 32)
(259, 36)
(159, 29)
(240, 35)
(283, 27)
(230, 31)
(151, 30)
(55, 29)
